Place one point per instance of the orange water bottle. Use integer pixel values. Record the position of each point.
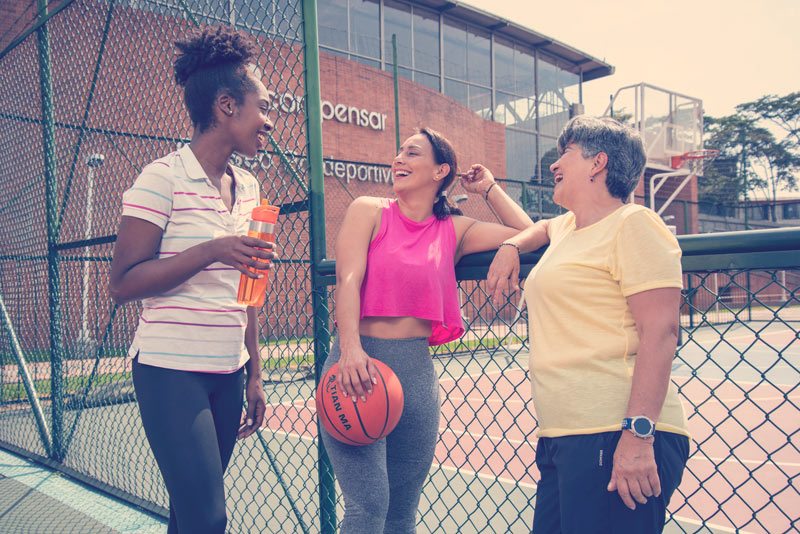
(253, 291)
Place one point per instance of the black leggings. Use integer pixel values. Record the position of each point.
(191, 421)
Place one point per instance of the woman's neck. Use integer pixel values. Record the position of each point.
(212, 153)
(595, 211)
(415, 207)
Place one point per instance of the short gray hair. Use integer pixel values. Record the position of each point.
(621, 143)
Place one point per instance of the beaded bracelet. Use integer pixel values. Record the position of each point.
(486, 194)
(509, 245)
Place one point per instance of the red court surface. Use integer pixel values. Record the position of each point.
(744, 462)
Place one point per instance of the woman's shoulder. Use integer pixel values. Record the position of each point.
(638, 214)
(366, 203)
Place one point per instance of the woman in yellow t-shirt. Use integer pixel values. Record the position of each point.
(603, 323)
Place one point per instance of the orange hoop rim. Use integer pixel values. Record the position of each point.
(700, 154)
(694, 156)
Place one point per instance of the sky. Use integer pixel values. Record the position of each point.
(722, 52)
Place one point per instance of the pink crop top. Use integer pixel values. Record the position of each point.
(410, 273)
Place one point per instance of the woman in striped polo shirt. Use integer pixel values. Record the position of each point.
(180, 248)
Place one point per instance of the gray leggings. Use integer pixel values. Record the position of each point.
(382, 482)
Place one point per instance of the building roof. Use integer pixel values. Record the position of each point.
(592, 67)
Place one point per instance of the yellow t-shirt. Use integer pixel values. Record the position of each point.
(583, 337)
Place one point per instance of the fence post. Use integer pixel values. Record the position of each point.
(327, 489)
(51, 203)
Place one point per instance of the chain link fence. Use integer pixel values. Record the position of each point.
(87, 99)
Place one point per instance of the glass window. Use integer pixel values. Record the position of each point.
(404, 72)
(516, 111)
(371, 62)
(397, 21)
(455, 49)
(279, 18)
(548, 148)
(504, 67)
(480, 101)
(553, 105)
(288, 19)
(520, 155)
(569, 85)
(426, 41)
(456, 90)
(365, 39)
(334, 52)
(428, 80)
(332, 17)
(524, 66)
(478, 64)
(791, 211)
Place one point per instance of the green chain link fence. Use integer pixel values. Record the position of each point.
(87, 99)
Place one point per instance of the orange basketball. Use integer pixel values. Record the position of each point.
(360, 423)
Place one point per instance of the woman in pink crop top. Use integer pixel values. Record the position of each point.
(396, 294)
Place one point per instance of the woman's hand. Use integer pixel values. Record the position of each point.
(634, 474)
(503, 274)
(256, 406)
(241, 251)
(357, 373)
(478, 179)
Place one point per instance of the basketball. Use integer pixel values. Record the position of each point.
(360, 423)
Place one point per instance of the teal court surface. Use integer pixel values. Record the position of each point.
(36, 500)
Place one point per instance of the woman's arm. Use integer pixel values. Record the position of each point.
(361, 221)
(504, 270)
(655, 312)
(480, 180)
(254, 390)
(136, 273)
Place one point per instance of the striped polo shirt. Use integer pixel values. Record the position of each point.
(198, 325)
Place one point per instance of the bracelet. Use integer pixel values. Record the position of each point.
(509, 245)
(486, 194)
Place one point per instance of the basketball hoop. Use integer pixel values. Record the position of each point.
(695, 159)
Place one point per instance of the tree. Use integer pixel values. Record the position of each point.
(782, 111)
(751, 160)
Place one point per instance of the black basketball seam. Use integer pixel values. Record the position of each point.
(386, 418)
(333, 426)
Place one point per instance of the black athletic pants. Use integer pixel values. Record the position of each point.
(191, 421)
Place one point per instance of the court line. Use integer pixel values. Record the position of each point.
(483, 476)
(711, 525)
(716, 460)
(529, 486)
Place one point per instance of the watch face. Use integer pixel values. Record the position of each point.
(642, 426)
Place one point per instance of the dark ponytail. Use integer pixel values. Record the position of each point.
(443, 152)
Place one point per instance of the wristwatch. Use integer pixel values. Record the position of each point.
(640, 426)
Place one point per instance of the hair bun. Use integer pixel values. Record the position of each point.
(209, 47)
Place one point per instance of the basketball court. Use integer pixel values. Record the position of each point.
(484, 478)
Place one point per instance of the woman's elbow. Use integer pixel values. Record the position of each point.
(117, 294)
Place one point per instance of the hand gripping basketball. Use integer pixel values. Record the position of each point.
(360, 423)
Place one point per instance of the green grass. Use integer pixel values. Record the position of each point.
(72, 384)
(486, 342)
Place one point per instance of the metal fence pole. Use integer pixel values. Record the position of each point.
(51, 201)
(396, 94)
(27, 382)
(327, 489)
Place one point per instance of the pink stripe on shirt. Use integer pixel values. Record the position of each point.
(189, 193)
(192, 309)
(194, 324)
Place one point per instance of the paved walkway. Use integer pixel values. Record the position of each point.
(36, 500)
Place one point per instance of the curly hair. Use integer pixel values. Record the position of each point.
(211, 61)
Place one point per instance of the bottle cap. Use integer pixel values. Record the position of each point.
(265, 213)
